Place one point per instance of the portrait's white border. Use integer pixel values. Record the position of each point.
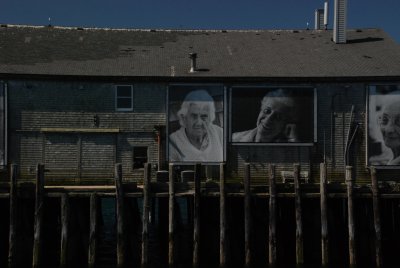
(368, 88)
(188, 163)
(269, 86)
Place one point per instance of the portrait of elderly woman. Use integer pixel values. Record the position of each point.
(384, 126)
(281, 117)
(198, 138)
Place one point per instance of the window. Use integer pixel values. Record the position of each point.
(139, 156)
(124, 98)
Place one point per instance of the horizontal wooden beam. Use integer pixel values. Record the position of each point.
(80, 130)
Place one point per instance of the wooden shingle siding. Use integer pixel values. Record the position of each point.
(126, 143)
(97, 156)
(61, 156)
(260, 157)
(84, 156)
(52, 121)
(27, 153)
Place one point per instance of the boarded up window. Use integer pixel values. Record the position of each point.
(61, 155)
(139, 156)
(98, 157)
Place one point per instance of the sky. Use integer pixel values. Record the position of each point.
(199, 14)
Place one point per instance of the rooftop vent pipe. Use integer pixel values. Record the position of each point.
(340, 21)
(326, 15)
(193, 67)
(319, 19)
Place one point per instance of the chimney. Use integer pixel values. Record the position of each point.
(326, 14)
(193, 67)
(340, 20)
(319, 19)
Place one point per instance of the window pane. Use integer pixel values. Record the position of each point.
(139, 157)
(124, 91)
(124, 103)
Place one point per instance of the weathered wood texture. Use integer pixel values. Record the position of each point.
(299, 223)
(377, 218)
(37, 233)
(171, 217)
(121, 245)
(247, 216)
(146, 213)
(65, 216)
(196, 216)
(350, 216)
(324, 218)
(93, 232)
(222, 217)
(272, 217)
(12, 235)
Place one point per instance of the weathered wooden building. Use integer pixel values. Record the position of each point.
(81, 100)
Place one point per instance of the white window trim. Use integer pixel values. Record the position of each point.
(116, 99)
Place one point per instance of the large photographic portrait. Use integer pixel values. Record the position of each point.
(196, 123)
(384, 125)
(272, 115)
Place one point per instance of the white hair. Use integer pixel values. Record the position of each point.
(199, 97)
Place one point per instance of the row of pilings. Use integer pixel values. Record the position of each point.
(201, 224)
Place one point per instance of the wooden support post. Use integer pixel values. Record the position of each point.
(350, 215)
(222, 217)
(171, 217)
(12, 238)
(196, 216)
(93, 230)
(64, 229)
(247, 215)
(324, 218)
(272, 217)
(299, 223)
(37, 233)
(377, 219)
(146, 212)
(120, 217)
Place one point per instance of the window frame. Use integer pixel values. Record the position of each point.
(134, 167)
(118, 97)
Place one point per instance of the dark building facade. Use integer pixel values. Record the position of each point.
(81, 100)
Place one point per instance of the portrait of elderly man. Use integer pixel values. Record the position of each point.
(389, 124)
(198, 138)
(276, 120)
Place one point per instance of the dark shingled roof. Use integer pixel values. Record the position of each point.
(226, 54)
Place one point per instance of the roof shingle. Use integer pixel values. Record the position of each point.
(164, 53)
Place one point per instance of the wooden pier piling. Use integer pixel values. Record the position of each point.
(299, 223)
(160, 190)
(146, 214)
(247, 215)
(120, 217)
(65, 215)
(222, 217)
(12, 235)
(272, 218)
(171, 218)
(93, 230)
(350, 215)
(377, 219)
(324, 218)
(38, 220)
(196, 216)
